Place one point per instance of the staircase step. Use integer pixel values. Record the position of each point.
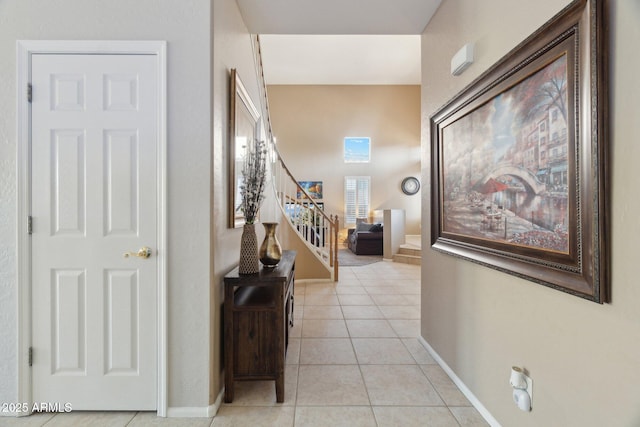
(409, 254)
(407, 259)
(410, 251)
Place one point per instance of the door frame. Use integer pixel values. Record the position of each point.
(24, 51)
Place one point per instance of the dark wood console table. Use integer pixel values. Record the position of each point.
(258, 312)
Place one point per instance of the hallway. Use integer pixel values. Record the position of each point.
(353, 360)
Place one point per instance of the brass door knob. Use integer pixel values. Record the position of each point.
(144, 252)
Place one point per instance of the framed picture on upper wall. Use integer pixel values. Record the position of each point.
(312, 188)
(243, 128)
(519, 160)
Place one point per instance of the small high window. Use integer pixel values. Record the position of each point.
(357, 150)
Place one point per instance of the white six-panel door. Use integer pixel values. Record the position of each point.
(94, 198)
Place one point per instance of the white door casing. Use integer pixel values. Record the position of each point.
(97, 191)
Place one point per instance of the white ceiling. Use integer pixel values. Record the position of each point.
(339, 41)
(334, 59)
(337, 16)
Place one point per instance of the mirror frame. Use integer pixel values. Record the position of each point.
(243, 123)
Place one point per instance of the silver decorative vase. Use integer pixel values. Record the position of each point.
(249, 251)
(270, 250)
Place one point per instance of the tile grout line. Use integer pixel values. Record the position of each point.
(364, 382)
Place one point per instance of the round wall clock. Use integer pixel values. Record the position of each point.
(410, 185)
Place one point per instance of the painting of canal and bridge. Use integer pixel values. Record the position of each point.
(519, 160)
(505, 166)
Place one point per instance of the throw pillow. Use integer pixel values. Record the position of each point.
(376, 228)
(364, 226)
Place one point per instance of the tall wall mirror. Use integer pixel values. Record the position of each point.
(243, 127)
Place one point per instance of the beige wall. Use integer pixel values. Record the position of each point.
(307, 264)
(231, 49)
(310, 123)
(583, 357)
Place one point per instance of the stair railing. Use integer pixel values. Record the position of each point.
(318, 230)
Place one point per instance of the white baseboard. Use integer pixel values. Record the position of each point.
(213, 409)
(462, 386)
(189, 411)
(197, 412)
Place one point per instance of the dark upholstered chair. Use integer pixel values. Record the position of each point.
(365, 239)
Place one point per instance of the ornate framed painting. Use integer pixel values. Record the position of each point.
(519, 159)
(243, 128)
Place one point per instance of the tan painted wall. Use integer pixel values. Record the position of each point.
(583, 357)
(307, 265)
(231, 49)
(310, 123)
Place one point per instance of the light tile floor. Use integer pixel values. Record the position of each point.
(353, 360)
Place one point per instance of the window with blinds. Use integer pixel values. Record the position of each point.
(356, 198)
